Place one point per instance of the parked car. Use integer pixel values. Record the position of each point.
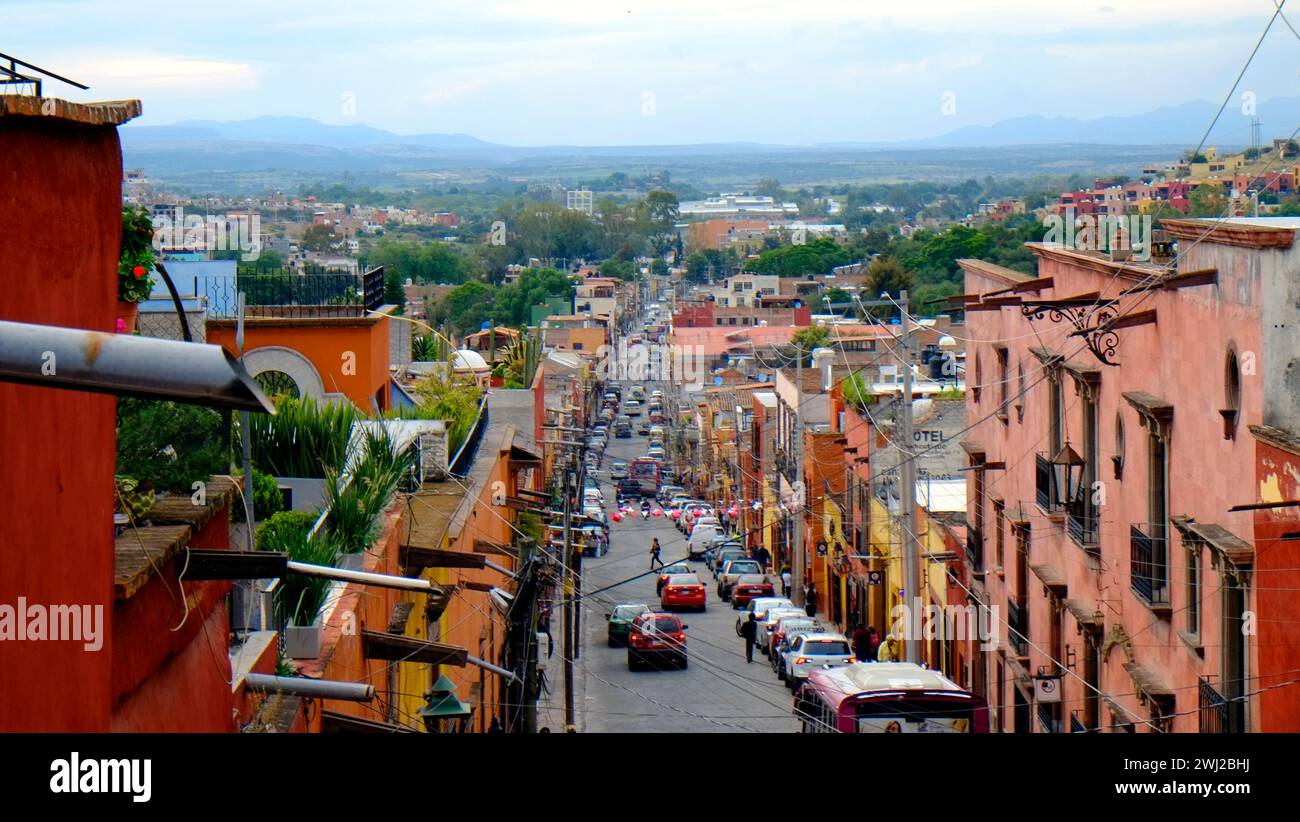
(682, 591)
(748, 586)
(812, 651)
(702, 538)
(723, 557)
(768, 625)
(788, 628)
(619, 622)
(654, 637)
(731, 574)
(759, 606)
(670, 570)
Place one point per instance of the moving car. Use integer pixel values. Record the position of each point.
(618, 470)
(811, 652)
(632, 408)
(682, 591)
(668, 571)
(749, 586)
(623, 429)
(619, 622)
(655, 637)
(667, 492)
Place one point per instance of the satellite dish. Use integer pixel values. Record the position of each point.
(717, 380)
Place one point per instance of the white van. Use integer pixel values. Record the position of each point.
(703, 536)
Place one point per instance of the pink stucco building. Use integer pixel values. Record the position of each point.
(1145, 603)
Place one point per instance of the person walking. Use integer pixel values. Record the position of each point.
(862, 643)
(654, 554)
(874, 646)
(888, 650)
(749, 630)
(810, 597)
(786, 580)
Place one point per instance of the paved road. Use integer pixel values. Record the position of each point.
(718, 692)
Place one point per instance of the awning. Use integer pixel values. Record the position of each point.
(1085, 614)
(1051, 578)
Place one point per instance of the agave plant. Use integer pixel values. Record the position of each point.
(304, 438)
(299, 598)
(424, 348)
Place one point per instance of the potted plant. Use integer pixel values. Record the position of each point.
(299, 599)
(134, 263)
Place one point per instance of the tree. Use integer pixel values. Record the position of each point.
(657, 217)
(319, 238)
(805, 340)
(697, 267)
(395, 290)
(1207, 200)
(887, 276)
(658, 267)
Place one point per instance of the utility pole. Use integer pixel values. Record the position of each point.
(907, 495)
(569, 722)
(797, 514)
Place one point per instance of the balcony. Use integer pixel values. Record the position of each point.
(1044, 485)
(975, 549)
(1018, 628)
(1147, 560)
(1217, 714)
(286, 294)
(1081, 524)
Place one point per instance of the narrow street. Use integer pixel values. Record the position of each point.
(717, 692)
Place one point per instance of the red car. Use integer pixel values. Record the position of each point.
(656, 636)
(676, 568)
(682, 591)
(749, 586)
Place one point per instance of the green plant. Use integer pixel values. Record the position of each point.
(135, 257)
(950, 394)
(424, 348)
(130, 498)
(267, 499)
(856, 391)
(455, 400)
(350, 527)
(303, 439)
(169, 446)
(299, 597)
(284, 528)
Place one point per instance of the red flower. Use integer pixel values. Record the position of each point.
(138, 271)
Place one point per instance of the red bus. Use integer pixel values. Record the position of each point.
(887, 697)
(648, 473)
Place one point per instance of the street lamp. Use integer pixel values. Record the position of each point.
(1067, 470)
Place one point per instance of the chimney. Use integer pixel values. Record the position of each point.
(824, 361)
(433, 452)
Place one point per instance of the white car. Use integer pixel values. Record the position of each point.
(768, 625)
(632, 408)
(812, 651)
(618, 470)
(702, 538)
(759, 606)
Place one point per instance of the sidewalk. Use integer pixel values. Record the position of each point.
(550, 706)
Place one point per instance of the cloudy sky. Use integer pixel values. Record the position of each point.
(620, 72)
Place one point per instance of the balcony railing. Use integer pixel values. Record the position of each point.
(975, 548)
(286, 294)
(1018, 627)
(1047, 719)
(1147, 560)
(1081, 523)
(1043, 483)
(1214, 709)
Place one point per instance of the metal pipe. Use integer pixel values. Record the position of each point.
(127, 365)
(488, 666)
(490, 564)
(316, 688)
(365, 577)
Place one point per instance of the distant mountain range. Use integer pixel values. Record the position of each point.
(1168, 125)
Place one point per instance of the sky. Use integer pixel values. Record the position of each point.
(626, 72)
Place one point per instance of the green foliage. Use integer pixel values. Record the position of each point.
(130, 498)
(950, 394)
(395, 290)
(299, 598)
(135, 258)
(169, 446)
(805, 340)
(1207, 200)
(619, 269)
(284, 527)
(356, 509)
(319, 238)
(454, 400)
(424, 348)
(857, 391)
(304, 438)
(817, 256)
(422, 262)
(267, 499)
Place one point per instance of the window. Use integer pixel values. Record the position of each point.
(1118, 457)
(1232, 394)
(1004, 380)
(1158, 510)
(1020, 395)
(1193, 589)
(979, 379)
(998, 507)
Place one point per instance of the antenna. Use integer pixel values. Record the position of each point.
(11, 76)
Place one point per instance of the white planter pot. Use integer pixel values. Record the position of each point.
(302, 641)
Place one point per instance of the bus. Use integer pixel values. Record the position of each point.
(887, 697)
(648, 474)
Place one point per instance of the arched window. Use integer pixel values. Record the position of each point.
(1118, 457)
(1232, 393)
